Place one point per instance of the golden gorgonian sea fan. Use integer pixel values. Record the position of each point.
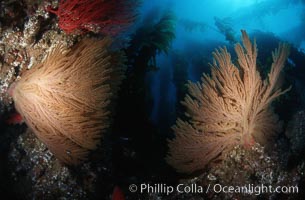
(230, 107)
(65, 100)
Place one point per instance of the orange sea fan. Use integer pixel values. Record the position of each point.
(231, 106)
(65, 99)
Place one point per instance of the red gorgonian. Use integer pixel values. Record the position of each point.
(100, 16)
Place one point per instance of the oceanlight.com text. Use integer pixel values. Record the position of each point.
(253, 189)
